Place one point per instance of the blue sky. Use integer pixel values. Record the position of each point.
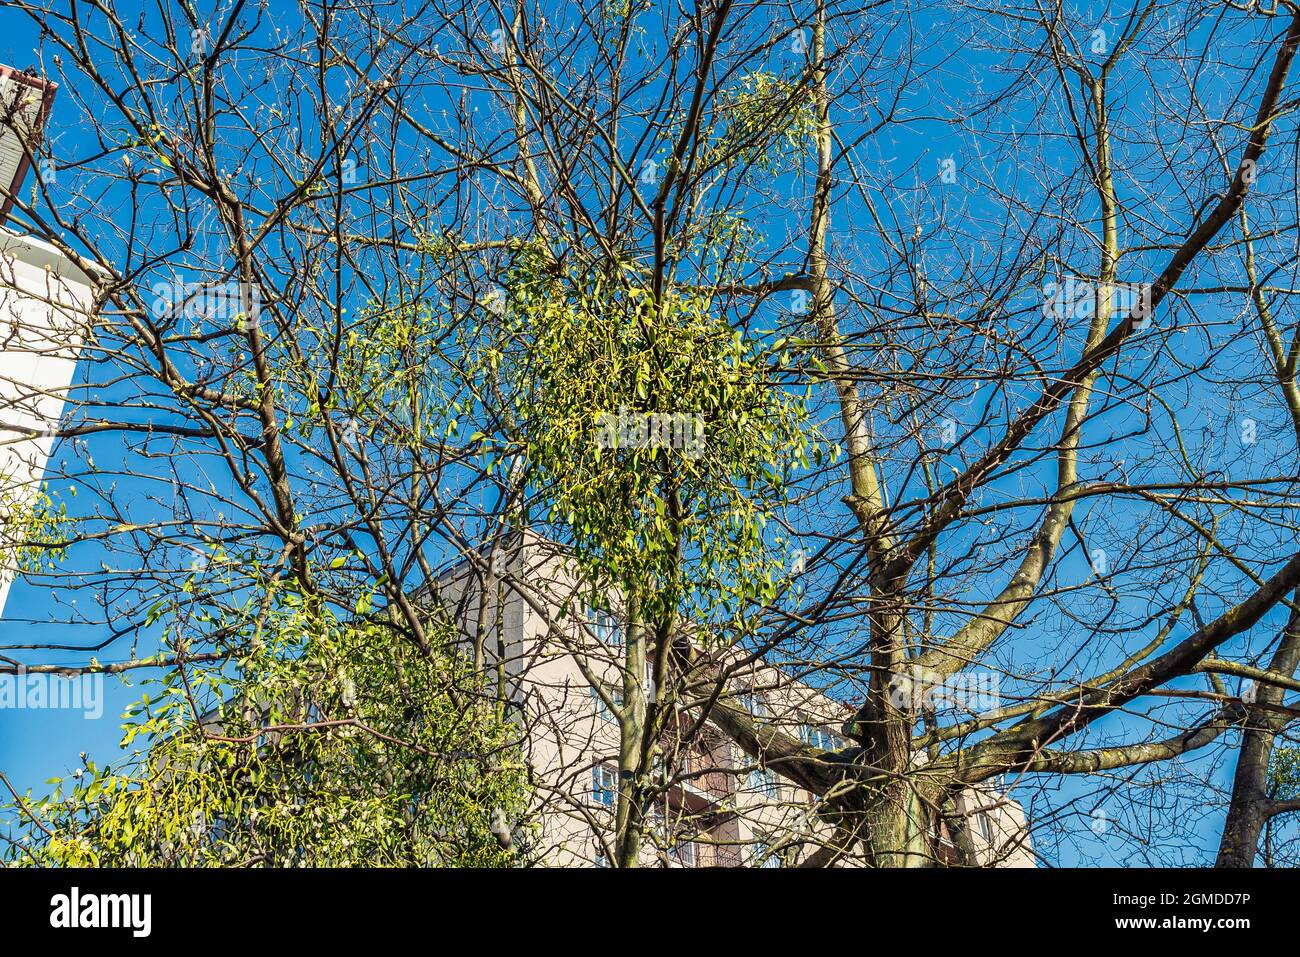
(39, 744)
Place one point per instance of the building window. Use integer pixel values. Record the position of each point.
(602, 710)
(655, 819)
(761, 781)
(985, 826)
(820, 738)
(604, 785)
(754, 704)
(683, 854)
(763, 856)
(607, 627)
(658, 770)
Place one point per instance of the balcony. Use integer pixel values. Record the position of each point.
(699, 775)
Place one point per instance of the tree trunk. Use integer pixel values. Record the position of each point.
(1248, 810)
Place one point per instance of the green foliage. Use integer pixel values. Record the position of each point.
(765, 121)
(383, 374)
(336, 745)
(683, 527)
(399, 376)
(1284, 774)
(33, 533)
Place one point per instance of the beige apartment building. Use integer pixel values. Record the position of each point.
(550, 638)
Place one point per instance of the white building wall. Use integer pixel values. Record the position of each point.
(43, 321)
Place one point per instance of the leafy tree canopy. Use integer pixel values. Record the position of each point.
(333, 744)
